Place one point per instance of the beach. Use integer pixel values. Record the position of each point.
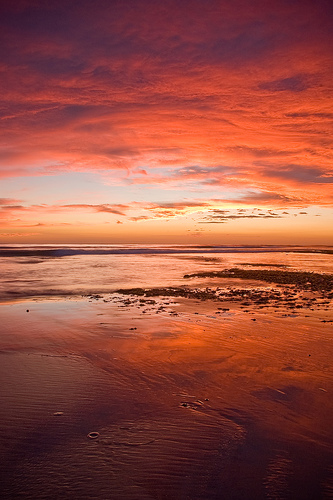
(180, 375)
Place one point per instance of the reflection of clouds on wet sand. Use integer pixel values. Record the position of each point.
(185, 403)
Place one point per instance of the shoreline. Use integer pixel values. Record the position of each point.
(220, 388)
(293, 293)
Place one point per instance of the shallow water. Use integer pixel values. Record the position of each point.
(189, 402)
(33, 275)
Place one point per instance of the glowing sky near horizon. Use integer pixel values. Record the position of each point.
(166, 122)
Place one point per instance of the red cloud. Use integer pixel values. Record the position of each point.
(175, 94)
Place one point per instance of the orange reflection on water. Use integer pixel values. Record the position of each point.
(188, 384)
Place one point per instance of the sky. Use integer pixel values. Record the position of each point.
(144, 121)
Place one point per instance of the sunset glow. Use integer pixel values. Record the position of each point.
(166, 122)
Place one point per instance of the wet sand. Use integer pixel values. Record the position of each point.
(203, 396)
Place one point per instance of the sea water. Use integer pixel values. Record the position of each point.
(184, 399)
(49, 270)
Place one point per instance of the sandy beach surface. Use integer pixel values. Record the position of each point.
(187, 399)
(218, 388)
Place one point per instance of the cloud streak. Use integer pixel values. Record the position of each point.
(203, 212)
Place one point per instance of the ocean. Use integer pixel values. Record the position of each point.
(50, 270)
(122, 379)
